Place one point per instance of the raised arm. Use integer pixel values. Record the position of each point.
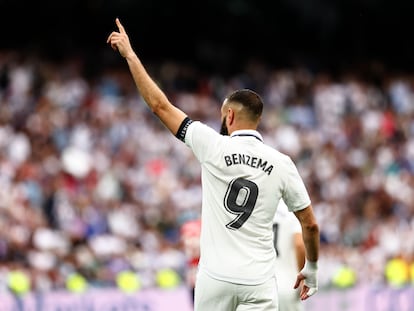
(157, 101)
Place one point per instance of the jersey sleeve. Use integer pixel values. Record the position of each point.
(202, 139)
(283, 214)
(182, 131)
(295, 193)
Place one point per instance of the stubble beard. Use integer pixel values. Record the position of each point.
(224, 130)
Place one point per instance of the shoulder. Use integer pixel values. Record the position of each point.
(200, 128)
(203, 139)
(277, 154)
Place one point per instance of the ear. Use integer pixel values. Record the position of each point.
(230, 116)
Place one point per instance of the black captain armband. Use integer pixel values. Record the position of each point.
(183, 128)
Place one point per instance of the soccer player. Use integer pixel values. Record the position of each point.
(290, 257)
(243, 180)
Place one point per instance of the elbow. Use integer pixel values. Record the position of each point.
(157, 107)
(160, 107)
(312, 228)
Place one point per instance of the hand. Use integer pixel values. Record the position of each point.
(120, 41)
(310, 282)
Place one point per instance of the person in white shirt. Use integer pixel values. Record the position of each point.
(290, 257)
(243, 179)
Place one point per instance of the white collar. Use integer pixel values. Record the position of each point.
(253, 133)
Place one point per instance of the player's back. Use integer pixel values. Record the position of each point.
(243, 180)
(242, 209)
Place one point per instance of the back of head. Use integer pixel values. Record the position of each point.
(250, 101)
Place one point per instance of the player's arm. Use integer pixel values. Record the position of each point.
(157, 101)
(310, 233)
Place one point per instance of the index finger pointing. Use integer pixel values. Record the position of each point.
(120, 27)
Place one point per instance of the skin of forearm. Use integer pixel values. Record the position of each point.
(311, 239)
(155, 98)
(146, 86)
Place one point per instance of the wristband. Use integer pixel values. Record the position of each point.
(310, 265)
(310, 271)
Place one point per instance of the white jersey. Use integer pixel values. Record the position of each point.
(285, 227)
(243, 180)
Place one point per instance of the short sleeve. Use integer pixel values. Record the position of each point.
(295, 193)
(202, 139)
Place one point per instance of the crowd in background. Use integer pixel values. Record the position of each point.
(92, 183)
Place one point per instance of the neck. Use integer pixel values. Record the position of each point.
(242, 128)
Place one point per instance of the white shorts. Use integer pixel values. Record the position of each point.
(289, 301)
(215, 295)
